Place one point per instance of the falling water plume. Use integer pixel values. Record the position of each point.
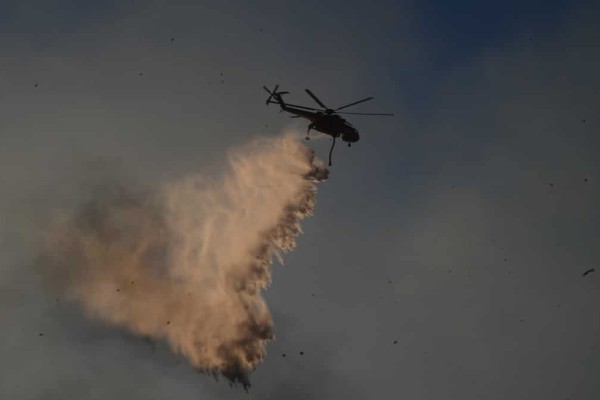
(187, 262)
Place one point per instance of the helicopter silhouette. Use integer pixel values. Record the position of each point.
(324, 120)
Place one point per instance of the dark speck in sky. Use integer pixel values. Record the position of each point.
(589, 271)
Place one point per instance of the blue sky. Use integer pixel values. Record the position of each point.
(455, 32)
(458, 228)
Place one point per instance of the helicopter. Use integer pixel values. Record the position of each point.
(324, 120)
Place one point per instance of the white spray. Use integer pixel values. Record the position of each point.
(187, 263)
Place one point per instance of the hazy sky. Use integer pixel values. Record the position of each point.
(446, 254)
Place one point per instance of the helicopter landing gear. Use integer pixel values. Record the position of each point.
(310, 126)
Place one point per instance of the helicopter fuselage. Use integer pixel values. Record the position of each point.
(325, 120)
(327, 123)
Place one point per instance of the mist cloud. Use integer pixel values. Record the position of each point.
(186, 262)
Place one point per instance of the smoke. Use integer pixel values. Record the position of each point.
(187, 262)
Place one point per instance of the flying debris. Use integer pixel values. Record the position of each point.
(325, 119)
(589, 271)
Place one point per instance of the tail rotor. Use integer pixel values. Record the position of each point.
(274, 94)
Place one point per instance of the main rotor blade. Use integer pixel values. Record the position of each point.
(311, 94)
(358, 113)
(356, 102)
(306, 108)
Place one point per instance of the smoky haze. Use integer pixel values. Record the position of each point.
(186, 262)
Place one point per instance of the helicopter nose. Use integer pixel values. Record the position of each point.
(351, 136)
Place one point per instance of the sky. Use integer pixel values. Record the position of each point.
(445, 256)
